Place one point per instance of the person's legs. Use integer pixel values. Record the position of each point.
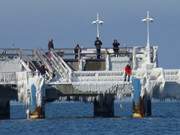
(76, 56)
(98, 53)
(125, 77)
(116, 52)
(128, 78)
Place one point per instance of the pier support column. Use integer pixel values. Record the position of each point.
(141, 105)
(104, 105)
(4, 109)
(36, 97)
(147, 105)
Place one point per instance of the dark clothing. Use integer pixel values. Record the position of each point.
(98, 51)
(53, 74)
(116, 47)
(98, 45)
(126, 75)
(50, 45)
(43, 70)
(77, 51)
(61, 53)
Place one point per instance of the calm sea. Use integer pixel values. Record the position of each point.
(75, 118)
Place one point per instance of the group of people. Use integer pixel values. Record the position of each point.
(98, 45)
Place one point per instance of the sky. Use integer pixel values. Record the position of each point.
(31, 23)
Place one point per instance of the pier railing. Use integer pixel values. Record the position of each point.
(54, 63)
(79, 76)
(63, 68)
(172, 75)
(7, 78)
(67, 53)
(42, 57)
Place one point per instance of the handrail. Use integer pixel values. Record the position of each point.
(44, 60)
(54, 64)
(98, 73)
(40, 55)
(8, 77)
(25, 65)
(62, 65)
(172, 75)
(30, 61)
(62, 61)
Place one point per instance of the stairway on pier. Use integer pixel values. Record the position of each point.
(101, 82)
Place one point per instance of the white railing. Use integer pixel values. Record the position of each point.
(172, 75)
(25, 65)
(54, 64)
(79, 76)
(63, 68)
(30, 63)
(7, 78)
(40, 56)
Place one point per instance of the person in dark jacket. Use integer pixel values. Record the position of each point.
(128, 72)
(43, 69)
(50, 45)
(116, 47)
(77, 51)
(98, 45)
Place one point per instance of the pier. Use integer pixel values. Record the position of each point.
(80, 79)
(37, 76)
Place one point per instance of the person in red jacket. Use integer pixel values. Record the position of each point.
(128, 72)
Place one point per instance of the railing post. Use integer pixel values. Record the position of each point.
(81, 64)
(4, 78)
(134, 58)
(107, 62)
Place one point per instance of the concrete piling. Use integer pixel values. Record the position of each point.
(141, 104)
(104, 105)
(4, 109)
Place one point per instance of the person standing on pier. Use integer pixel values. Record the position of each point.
(128, 72)
(50, 45)
(43, 70)
(116, 47)
(77, 52)
(98, 45)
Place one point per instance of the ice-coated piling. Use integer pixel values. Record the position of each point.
(141, 104)
(104, 105)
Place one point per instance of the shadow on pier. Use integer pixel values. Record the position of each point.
(8, 92)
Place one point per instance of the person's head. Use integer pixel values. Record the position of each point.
(50, 39)
(128, 65)
(115, 40)
(97, 38)
(77, 45)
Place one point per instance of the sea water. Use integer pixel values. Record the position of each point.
(76, 118)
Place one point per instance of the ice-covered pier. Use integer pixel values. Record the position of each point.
(69, 78)
(37, 76)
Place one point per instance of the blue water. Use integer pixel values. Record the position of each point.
(165, 121)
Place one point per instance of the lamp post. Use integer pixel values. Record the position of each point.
(97, 22)
(148, 19)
